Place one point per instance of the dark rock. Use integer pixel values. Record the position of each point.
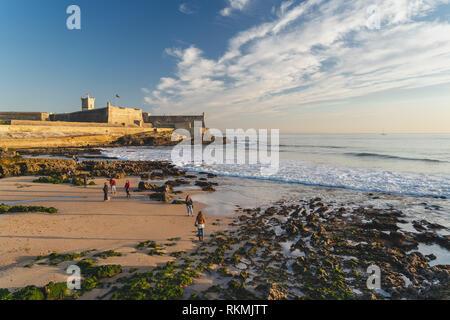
(161, 196)
(400, 240)
(144, 186)
(146, 139)
(164, 188)
(430, 257)
(145, 176)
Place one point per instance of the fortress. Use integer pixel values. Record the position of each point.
(107, 116)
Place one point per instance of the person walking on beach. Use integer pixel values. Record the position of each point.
(189, 206)
(200, 224)
(105, 192)
(112, 182)
(127, 189)
(85, 180)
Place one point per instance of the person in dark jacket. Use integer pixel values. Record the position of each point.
(189, 206)
(105, 192)
(127, 189)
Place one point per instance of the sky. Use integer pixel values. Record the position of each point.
(307, 66)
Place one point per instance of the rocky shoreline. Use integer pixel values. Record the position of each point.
(305, 250)
(322, 251)
(57, 171)
(310, 250)
(290, 250)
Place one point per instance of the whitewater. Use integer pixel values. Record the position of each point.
(417, 165)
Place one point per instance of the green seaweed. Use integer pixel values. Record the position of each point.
(29, 293)
(58, 291)
(5, 294)
(89, 269)
(57, 258)
(162, 283)
(107, 254)
(14, 209)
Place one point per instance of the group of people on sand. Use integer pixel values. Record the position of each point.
(199, 220)
(113, 186)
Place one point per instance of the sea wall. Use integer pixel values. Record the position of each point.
(73, 130)
(55, 142)
(67, 124)
(39, 116)
(175, 122)
(47, 134)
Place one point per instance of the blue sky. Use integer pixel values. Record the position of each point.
(297, 65)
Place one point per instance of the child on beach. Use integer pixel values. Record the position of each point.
(200, 224)
(127, 189)
(105, 192)
(189, 206)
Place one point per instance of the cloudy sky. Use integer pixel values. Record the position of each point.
(301, 66)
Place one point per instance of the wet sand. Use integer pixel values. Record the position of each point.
(86, 222)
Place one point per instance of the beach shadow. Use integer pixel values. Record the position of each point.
(19, 202)
(87, 238)
(47, 192)
(121, 215)
(69, 238)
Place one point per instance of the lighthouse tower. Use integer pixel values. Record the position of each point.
(87, 103)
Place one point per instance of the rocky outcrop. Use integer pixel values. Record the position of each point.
(110, 169)
(275, 292)
(145, 186)
(205, 185)
(161, 196)
(146, 139)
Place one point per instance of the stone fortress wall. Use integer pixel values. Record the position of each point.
(110, 116)
(37, 116)
(125, 116)
(95, 115)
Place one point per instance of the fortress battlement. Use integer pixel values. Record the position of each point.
(110, 115)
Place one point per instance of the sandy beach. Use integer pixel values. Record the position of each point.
(264, 239)
(85, 222)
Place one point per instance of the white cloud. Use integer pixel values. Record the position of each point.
(184, 8)
(234, 5)
(313, 53)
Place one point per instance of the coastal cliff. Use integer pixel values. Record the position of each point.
(50, 139)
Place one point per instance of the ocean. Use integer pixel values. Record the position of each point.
(408, 172)
(404, 164)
